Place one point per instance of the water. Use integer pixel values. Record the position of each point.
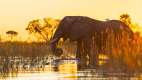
(40, 68)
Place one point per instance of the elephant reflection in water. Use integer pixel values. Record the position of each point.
(88, 34)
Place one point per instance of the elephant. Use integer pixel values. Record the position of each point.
(82, 29)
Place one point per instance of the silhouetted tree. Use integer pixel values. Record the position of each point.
(12, 34)
(125, 18)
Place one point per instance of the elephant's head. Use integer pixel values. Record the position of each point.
(61, 32)
(58, 52)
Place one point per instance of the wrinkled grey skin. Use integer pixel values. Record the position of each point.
(81, 29)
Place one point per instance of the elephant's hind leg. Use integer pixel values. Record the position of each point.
(92, 53)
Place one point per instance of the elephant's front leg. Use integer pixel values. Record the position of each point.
(80, 55)
(88, 48)
(78, 52)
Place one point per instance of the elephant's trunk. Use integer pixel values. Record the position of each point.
(58, 34)
(56, 51)
(53, 44)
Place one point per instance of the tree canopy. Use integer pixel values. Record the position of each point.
(42, 29)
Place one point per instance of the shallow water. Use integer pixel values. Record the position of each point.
(65, 70)
(80, 75)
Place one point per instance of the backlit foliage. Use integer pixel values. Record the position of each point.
(127, 20)
(42, 29)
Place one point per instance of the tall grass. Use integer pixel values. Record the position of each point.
(24, 49)
(125, 54)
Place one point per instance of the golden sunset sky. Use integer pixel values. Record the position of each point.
(15, 14)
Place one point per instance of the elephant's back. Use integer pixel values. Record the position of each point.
(117, 25)
(81, 27)
(76, 27)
